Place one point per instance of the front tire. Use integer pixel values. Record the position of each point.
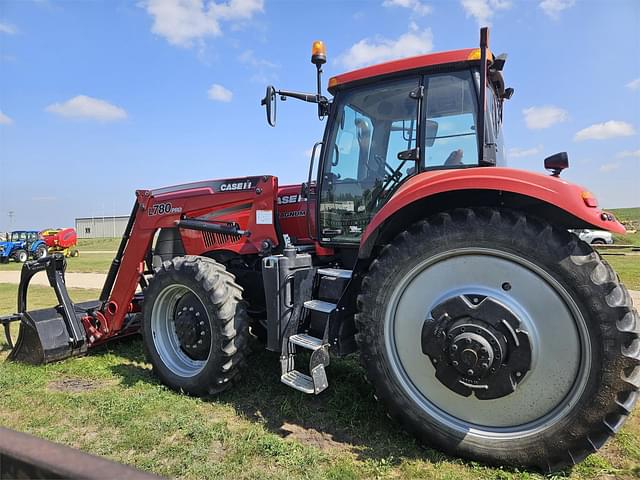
(20, 256)
(195, 325)
(584, 373)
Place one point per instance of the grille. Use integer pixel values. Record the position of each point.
(212, 239)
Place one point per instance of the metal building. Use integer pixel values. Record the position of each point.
(101, 227)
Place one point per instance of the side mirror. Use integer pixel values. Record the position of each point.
(269, 102)
(431, 132)
(556, 163)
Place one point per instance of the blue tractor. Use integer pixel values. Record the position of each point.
(22, 244)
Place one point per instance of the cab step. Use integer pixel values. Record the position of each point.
(334, 272)
(320, 306)
(306, 341)
(317, 381)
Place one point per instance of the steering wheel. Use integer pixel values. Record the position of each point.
(382, 163)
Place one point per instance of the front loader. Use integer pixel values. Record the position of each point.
(486, 327)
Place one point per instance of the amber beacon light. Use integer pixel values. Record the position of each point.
(318, 53)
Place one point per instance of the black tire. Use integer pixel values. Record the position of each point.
(20, 256)
(221, 298)
(40, 252)
(598, 241)
(612, 380)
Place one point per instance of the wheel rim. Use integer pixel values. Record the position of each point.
(22, 257)
(560, 347)
(168, 342)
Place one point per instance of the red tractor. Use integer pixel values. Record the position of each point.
(487, 329)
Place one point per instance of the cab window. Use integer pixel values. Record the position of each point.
(450, 106)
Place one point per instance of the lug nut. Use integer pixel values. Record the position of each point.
(184, 309)
(191, 309)
(454, 363)
(454, 347)
(202, 334)
(199, 342)
(470, 372)
(197, 314)
(201, 323)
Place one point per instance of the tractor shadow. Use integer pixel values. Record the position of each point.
(345, 417)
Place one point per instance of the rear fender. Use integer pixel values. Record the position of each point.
(552, 198)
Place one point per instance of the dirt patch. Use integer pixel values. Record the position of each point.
(74, 385)
(311, 436)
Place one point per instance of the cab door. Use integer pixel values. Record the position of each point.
(372, 127)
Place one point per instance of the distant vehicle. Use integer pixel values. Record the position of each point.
(61, 240)
(22, 244)
(594, 237)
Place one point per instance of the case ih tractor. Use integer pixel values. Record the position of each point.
(487, 329)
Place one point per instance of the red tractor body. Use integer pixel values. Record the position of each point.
(486, 327)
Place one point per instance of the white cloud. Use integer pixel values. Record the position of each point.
(8, 28)
(553, 7)
(218, 93)
(183, 21)
(603, 131)
(609, 167)
(5, 119)
(629, 153)
(524, 152)
(634, 84)
(369, 51)
(546, 116)
(82, 106)
(483, 10)
(416, 6)
(265, 71)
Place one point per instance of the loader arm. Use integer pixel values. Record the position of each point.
(196, 211)
(188, 208)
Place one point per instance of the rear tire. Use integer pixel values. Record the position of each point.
(598, 241)
(584, 302)
(195, 325)
(20, 256)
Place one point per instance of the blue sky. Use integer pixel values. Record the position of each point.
(99, 98)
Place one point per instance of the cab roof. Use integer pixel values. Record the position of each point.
(404, 64)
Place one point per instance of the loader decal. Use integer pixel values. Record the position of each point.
(163, 209)
(235, 186)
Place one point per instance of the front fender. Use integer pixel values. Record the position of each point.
(545, 189)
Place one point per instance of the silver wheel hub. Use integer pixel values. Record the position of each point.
(544, 335)
(181, 330)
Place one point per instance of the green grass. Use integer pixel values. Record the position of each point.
(96, 244)
(628, 215)
(627, 267)
(85, 263)
(110, 404)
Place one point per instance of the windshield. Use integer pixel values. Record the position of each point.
(375, 143)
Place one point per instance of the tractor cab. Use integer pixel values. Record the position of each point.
(393, 121)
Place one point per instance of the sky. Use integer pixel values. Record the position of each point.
(100, 98)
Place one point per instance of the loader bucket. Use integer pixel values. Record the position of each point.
(49, 334)
(43, 338)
